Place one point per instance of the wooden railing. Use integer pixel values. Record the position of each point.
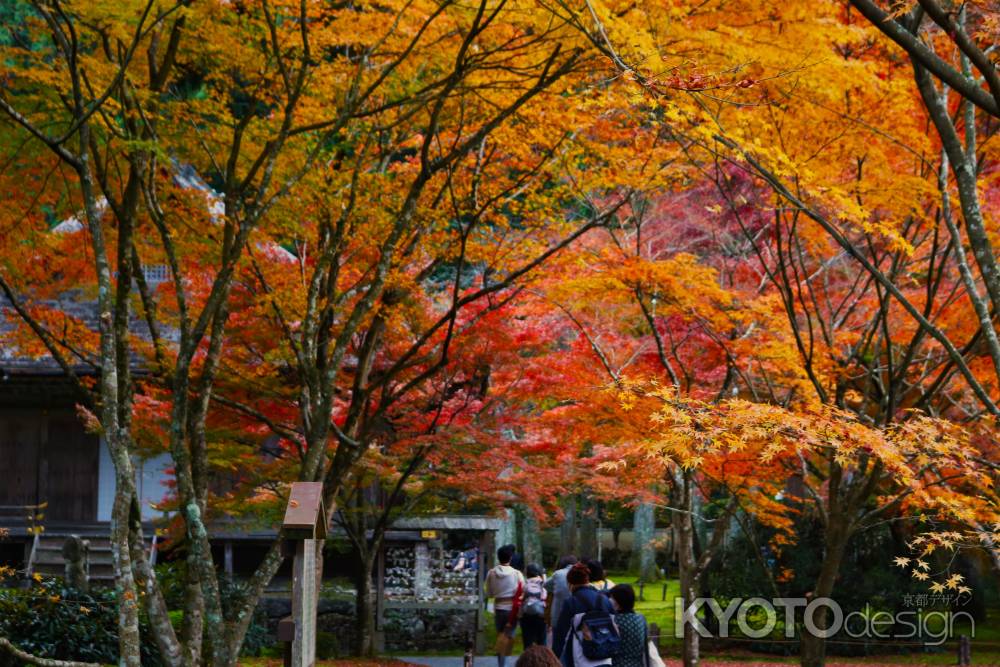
(33, 516)
(29, 568)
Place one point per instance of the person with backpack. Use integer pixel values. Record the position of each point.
(506, 586)
(586, 634)
(634, 651)
(557, 593)
(533, 628)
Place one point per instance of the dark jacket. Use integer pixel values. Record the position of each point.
(583, 599)
(635, 635)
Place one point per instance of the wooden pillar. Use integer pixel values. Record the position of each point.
(42, 484)
(304, 601)
(486, 546)
(305, 528)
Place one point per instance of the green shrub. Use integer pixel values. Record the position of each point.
(327, 646)
(54, 621)
(257, 637)
(172, 579)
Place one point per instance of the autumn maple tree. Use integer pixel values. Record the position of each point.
(815, 147)
(181, 135)
(666, 253)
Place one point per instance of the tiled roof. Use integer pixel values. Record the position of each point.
(83, 309)
(448, 522)
(78, 306)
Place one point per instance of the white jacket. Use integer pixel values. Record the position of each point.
(501, 584)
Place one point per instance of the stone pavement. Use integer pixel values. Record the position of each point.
(491, 661)
(456, 661)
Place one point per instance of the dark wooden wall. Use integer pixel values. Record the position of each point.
(19, 445)
(45, 455)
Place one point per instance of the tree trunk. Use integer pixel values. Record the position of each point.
(507, 533)
(588, 528)
(129, 641)
(690, 648)
(246, 605)
(567, 531)
(116, 437)
(643, 558)
(193, 622)
(837, 535)
(687, 564)
(531, 538)
(171, 650)
(364, 640)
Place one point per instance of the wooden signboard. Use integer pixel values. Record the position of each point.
(305, 525)
(305, 518)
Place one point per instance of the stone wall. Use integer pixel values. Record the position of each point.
(428, 629)
(405, 629)
(334, 624)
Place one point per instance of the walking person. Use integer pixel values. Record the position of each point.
(584, 598)
(632, 627)
(598, 578)
(505, 585)
(533, 628)
(557, 592)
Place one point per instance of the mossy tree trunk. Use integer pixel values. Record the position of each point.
(643, 558)
(567, 530)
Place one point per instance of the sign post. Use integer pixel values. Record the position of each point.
(304, 524)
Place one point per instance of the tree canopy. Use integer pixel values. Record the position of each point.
(495, 253)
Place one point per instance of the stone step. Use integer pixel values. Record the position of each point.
(59, 562)
(49, 561)
(94, 576)
(58, 548)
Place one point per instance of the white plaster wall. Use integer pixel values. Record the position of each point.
(150, 477)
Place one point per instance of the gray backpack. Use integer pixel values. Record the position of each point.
(533, 604)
